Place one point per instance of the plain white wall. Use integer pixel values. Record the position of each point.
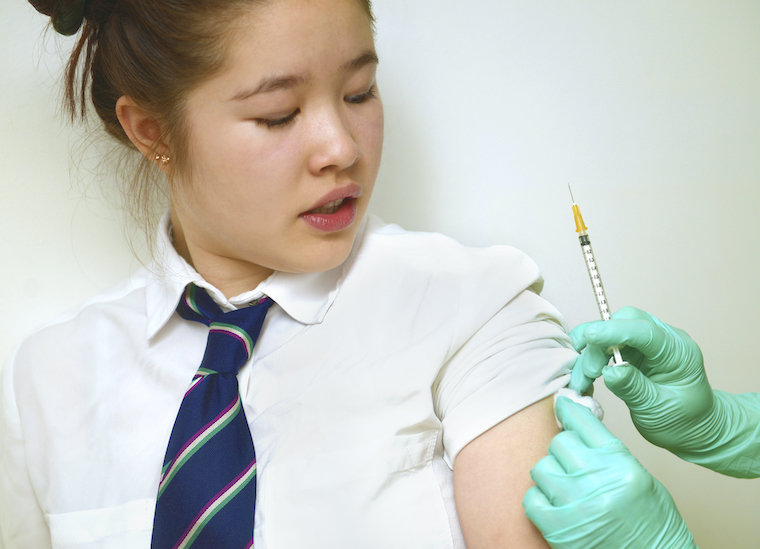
(650, 110)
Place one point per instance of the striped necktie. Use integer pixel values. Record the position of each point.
(207, 492)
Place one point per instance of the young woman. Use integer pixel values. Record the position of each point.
(397, 395)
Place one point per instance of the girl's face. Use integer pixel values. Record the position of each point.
(285, 145)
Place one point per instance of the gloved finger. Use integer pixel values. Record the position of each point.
(631, 386)
(688, 343)
(589, 365)
(578, 380)
(571, 452)
(581, 421)
(631, 313)
(576, 335)
(646, 335)
(534, 497)
(538, 508)
(553, 481)
(560, 527)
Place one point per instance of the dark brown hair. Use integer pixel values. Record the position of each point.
(153, 51)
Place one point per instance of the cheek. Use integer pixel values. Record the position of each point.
(212, 152)
(241, 158)
(371, 133)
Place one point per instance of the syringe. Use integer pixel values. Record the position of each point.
(593, 272)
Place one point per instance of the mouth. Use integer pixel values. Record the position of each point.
(335, 211)
(330, 207)
(333, 200)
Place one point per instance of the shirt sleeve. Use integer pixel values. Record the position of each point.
(521, 355)
(22, 523)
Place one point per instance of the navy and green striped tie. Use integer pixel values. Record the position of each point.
(207, 492)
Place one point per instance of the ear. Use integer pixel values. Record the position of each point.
(143, 130)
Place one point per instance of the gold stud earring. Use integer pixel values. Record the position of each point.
(163, 159)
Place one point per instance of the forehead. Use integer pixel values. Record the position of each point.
(299, 34)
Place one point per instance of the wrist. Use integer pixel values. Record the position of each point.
(729, 442)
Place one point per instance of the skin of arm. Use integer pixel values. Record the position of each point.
(492, 474)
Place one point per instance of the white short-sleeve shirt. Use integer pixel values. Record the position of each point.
(366, 382)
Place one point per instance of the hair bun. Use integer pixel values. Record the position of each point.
(67, 16)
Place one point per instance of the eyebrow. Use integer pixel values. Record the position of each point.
(366, 58)
(276, 83)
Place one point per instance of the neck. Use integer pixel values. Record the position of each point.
(229, 275)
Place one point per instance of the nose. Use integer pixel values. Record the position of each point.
(334, 145)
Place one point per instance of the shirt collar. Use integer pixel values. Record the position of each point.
(306, 297)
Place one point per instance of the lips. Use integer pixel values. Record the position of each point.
(335, 211)
(333, 199)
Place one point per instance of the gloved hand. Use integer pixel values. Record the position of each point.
(667, 392)
(592, 493)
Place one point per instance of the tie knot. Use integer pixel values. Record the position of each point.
(196, 305)
(231, 335)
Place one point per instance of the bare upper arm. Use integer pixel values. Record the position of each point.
(492, 474)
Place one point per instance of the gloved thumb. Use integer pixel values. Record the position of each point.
(630, 385)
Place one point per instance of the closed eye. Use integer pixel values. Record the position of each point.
(362, 97)
(277, 122)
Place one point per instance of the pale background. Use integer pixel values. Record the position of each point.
(650, 110)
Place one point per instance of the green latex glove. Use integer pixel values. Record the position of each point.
(667, 392)
(592, 493)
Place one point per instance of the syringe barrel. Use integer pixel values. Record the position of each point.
(594, 276)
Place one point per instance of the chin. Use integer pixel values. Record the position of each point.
(325, 259)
